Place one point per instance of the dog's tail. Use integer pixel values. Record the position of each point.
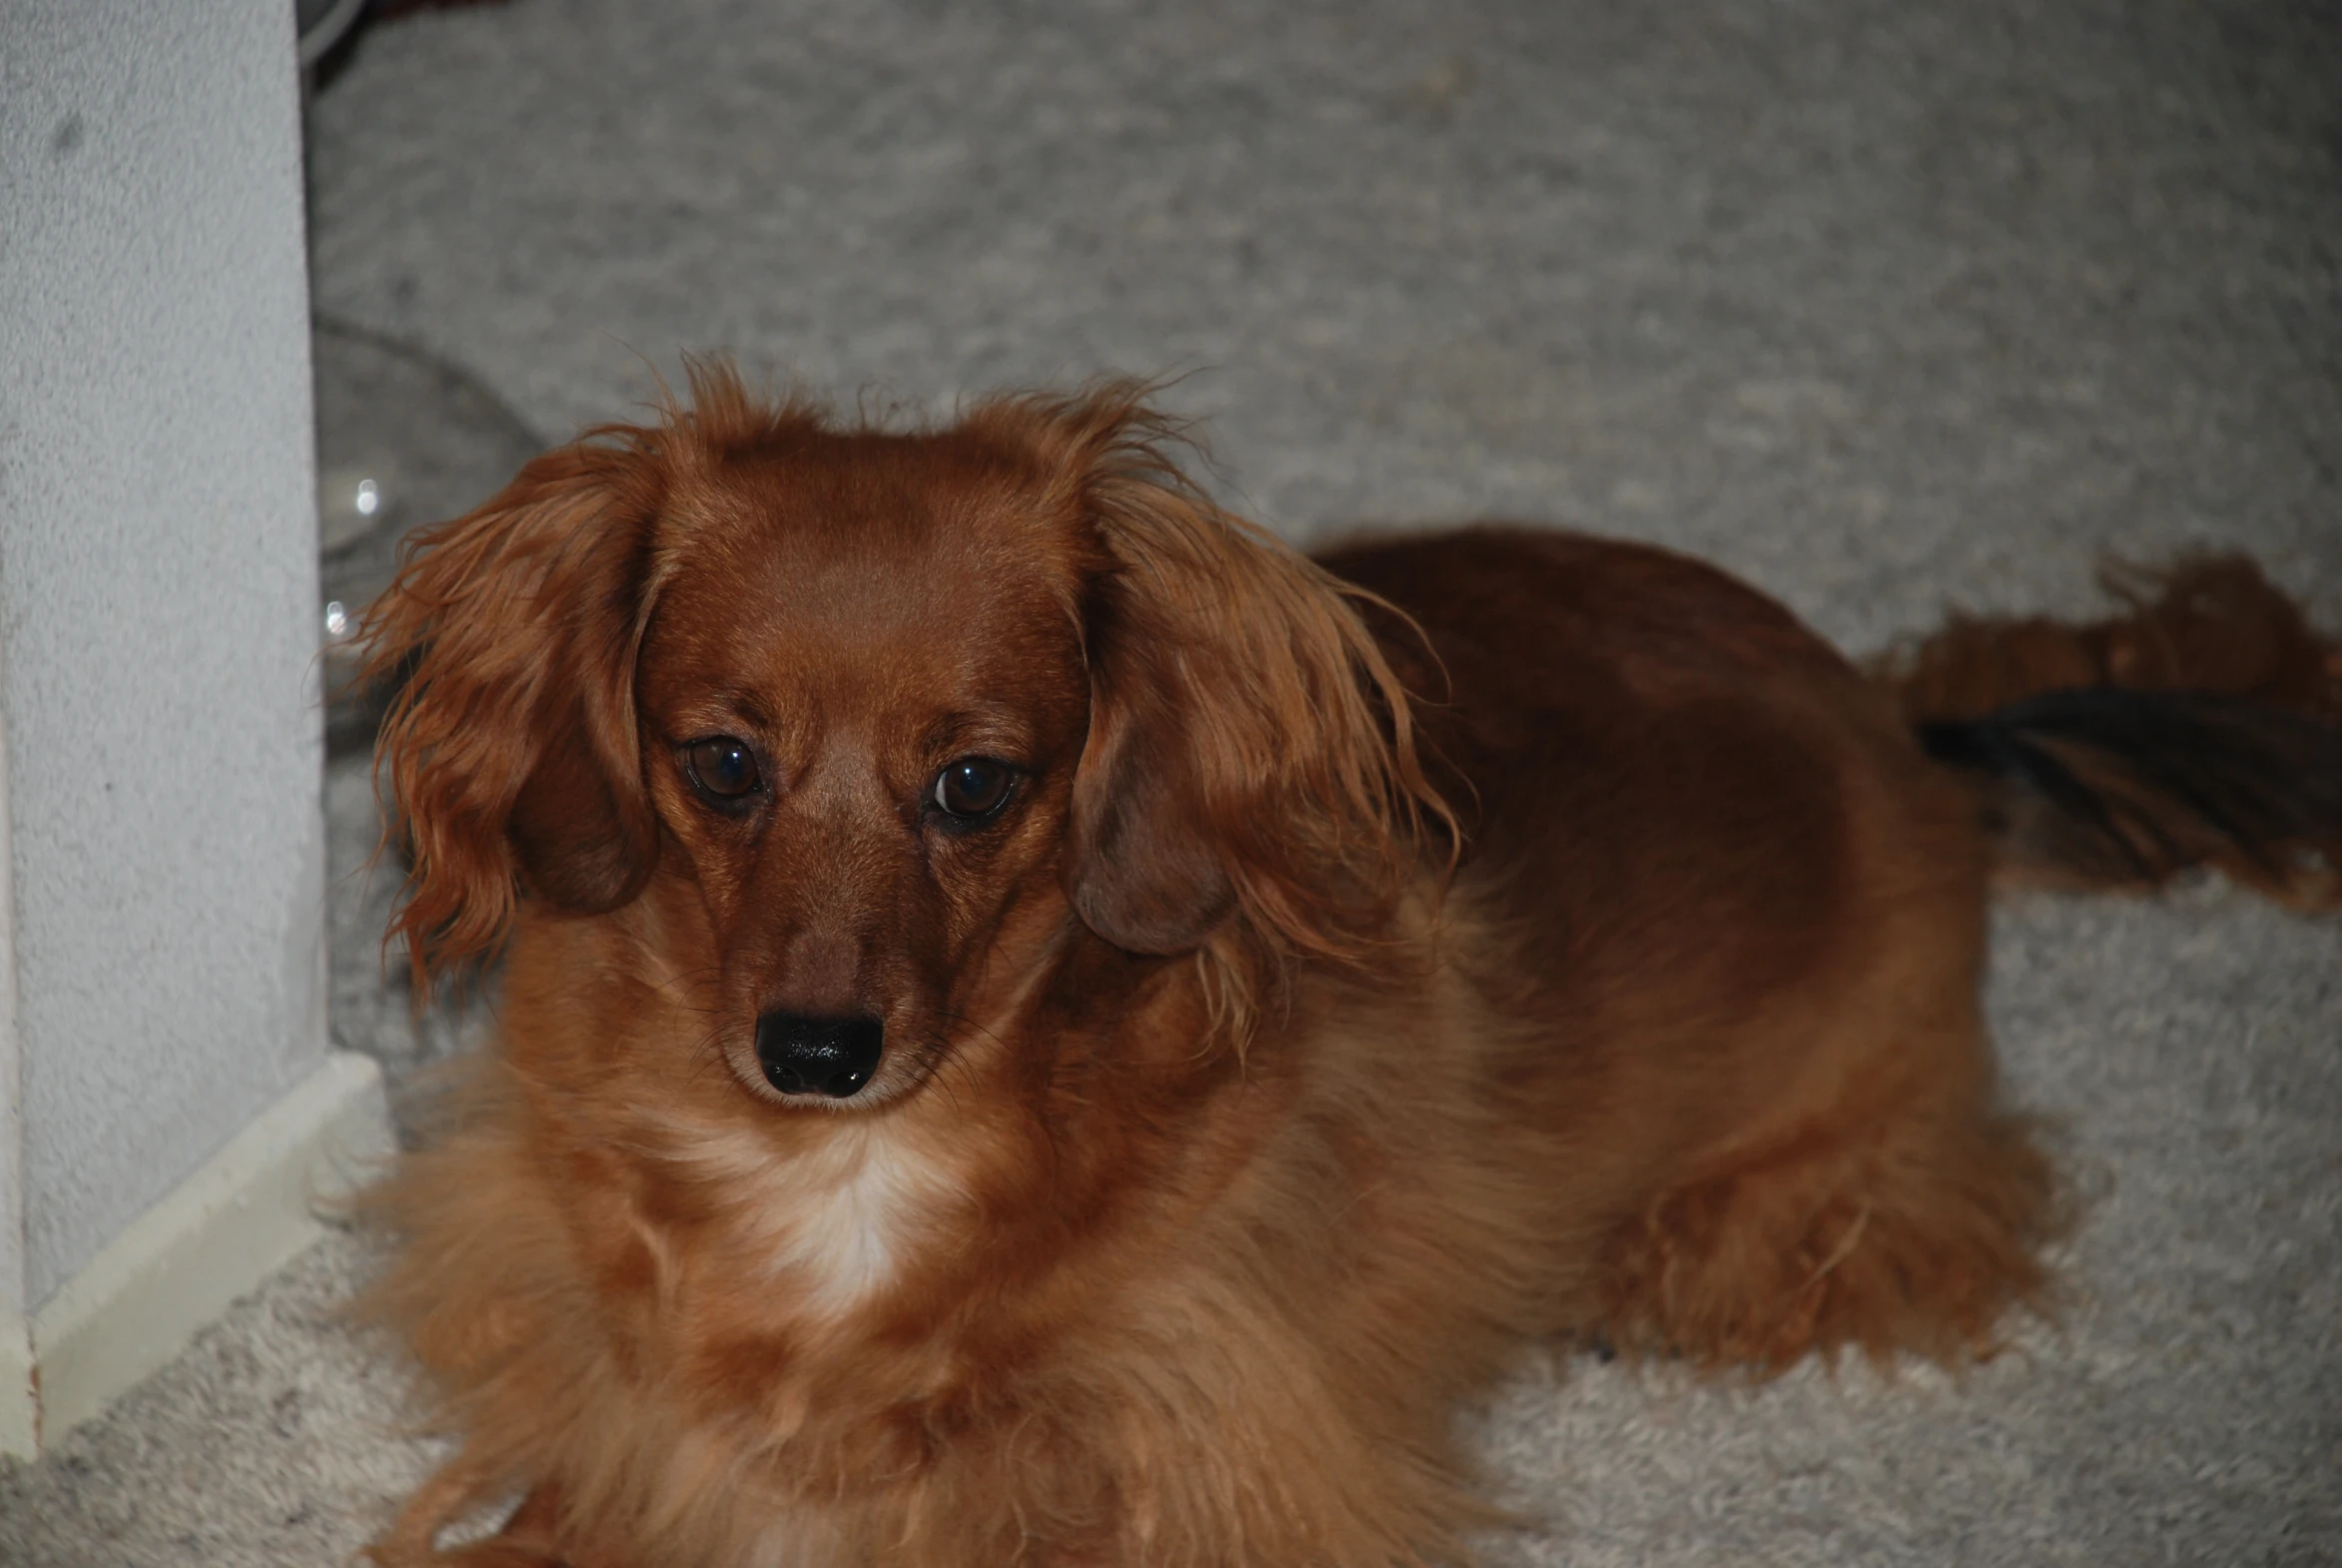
(2201, 726)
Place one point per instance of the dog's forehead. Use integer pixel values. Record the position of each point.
(873, 521)
(884, 557)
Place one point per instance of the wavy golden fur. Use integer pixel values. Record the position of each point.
(1041, 1026)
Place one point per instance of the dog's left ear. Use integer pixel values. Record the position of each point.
(1251, 752)
(511, 745)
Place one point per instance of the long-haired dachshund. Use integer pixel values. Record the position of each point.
(1041, 1027)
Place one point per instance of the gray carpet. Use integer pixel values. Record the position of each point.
(1886, 306)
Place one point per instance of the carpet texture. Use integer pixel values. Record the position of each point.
(1886, 306)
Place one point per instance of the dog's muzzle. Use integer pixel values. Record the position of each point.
(825, 1055)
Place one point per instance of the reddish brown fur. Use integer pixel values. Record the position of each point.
(2210, 627)
(1244, 1105)
(2211, 623)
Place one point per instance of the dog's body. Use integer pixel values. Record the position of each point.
(1009, 1057)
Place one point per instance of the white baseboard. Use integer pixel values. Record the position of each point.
(20, 1409)
(243, 1214)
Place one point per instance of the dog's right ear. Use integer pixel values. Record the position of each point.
(1250, 760)
(511, 748)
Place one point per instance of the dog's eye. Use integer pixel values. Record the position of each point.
(972, 789)
(723, 767)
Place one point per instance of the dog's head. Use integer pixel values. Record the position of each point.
(890, 713)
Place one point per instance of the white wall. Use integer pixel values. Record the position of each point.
(158, 680)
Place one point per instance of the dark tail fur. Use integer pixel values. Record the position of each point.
(2204, 726)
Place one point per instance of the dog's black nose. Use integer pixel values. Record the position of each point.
(830, 1056)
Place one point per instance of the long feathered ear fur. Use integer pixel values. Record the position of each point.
(510, 749)
(1251, 764)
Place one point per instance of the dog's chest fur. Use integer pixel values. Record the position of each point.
(863, 1204)
(827, 1226)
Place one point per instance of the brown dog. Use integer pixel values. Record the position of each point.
(1042, 1028)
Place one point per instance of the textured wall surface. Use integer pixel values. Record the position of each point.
(157, 597)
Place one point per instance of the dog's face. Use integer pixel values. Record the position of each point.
(888, 718)
(863, 697)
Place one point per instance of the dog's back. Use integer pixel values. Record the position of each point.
(1733, 894)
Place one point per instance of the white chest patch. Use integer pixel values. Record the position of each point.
(848, 1217)
(832, 1223)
